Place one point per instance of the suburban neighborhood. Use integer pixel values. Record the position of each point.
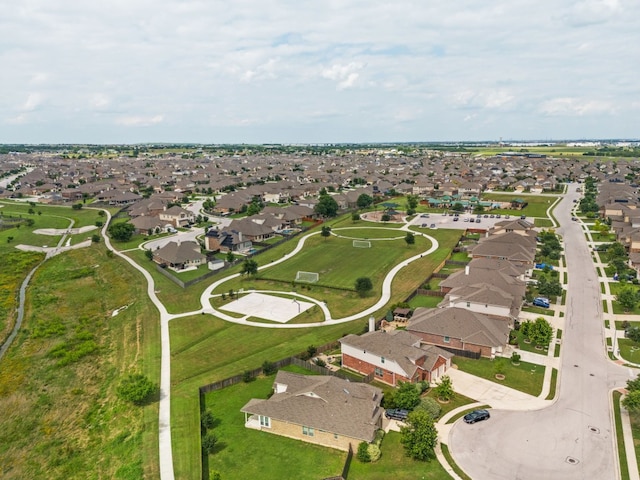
(333, 312)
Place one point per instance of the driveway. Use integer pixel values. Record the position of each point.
(447, 221)
(191, 234)
(574, 437)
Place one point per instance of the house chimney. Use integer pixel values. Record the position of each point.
(466, 270)
(372, 323)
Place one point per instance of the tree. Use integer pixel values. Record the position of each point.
(364, 201)
(363, 285)
(627, 298)
(410, 238)
(326, 206)
(76, 206)
(541, 332)
(412, 203)
(230, 257)
(249, 267)
(407, 396)
(148, 254)
(457, 207)
(95, 238)
(632, 401)
(419, 437)
(209, 441)
(444, 390)
(385, 217)
(326, 231)
(355, 216)
(121, 232)
(136, 388)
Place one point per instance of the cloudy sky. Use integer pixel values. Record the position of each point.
(285, 71)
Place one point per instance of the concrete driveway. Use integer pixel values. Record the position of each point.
(573, 439)
(448, 221)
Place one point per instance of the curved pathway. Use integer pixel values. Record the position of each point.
(384, 297)
(574, 438)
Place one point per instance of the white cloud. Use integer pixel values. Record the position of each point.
(99, 100)
(575, 106)
(345, 75)
(33, 101)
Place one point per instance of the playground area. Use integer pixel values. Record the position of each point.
(269, 307)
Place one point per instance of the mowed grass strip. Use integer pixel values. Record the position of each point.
(61, 418)
(526, 377)
(537, 205)
(339, 263)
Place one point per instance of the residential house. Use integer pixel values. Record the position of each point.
(322, 410)
(177, 216)
(459, 329)
(226, 241)
(394, 356)
(179, 255)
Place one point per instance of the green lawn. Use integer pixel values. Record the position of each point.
(529, 347)
(320, 255)
(629, 350)
(635, 430)
(526, 377)
(622, 454)
(424, 301)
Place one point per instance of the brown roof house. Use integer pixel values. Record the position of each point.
(324, 410)
(177, 216)
(459, 329)
(179, 255)
(395, 356)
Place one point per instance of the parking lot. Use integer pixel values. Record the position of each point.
(463, 221)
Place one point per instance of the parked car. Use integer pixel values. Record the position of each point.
(478, 220)
(466, 219)
(542, 266)
(541, 302)
(433, 225)
(396, 414)
(476, 416)
(455, 219)
(523, 217)
(424, 215)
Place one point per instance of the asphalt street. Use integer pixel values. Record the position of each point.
(574, 437)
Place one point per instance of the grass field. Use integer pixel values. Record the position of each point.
(321, 255)
(526, 377)
(61, 418)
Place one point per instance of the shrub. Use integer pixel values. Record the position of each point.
(209, 442)
(515, 357)
(374, 452)
(269, 368)
(319, 362)
(136, 388)
(363, 452)
(248, 377)
(431, 406)
(207, 421)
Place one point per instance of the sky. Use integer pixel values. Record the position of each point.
(331, 71)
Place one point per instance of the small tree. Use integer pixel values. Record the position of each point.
(121, 232)
(148, 254)
(363, 286)
(355, 216)
(444, 390)
(632, 401)
(76, 206)
(325, 232)
(136, 388)
(230, 257)
(95, 238)
(250, 267)
(627, 298)
(541, 332)
(515, 358)
(364, 201)
(385, 217)
(431, 406)
(419, 437)
(410, 238)
(209, 441)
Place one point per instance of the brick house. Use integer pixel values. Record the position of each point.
(323, 410)
(393, 357)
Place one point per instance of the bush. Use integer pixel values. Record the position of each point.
(431, 406)
(363, 452)
(319, 362)
(248, 377)
(269, 368)
(207, 421)
(374, 452)
(136, 388)
(515, 357)
(209, 442)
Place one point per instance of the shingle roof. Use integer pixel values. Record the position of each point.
(324, 403)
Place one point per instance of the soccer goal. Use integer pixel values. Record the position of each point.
(308, 277)
(362, 244)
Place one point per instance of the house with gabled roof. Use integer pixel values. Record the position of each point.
(179, 255)
(177, 216)
(394, 356)
(458, 329)
(323, 410)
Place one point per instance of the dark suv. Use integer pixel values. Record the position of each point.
(396, 414)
